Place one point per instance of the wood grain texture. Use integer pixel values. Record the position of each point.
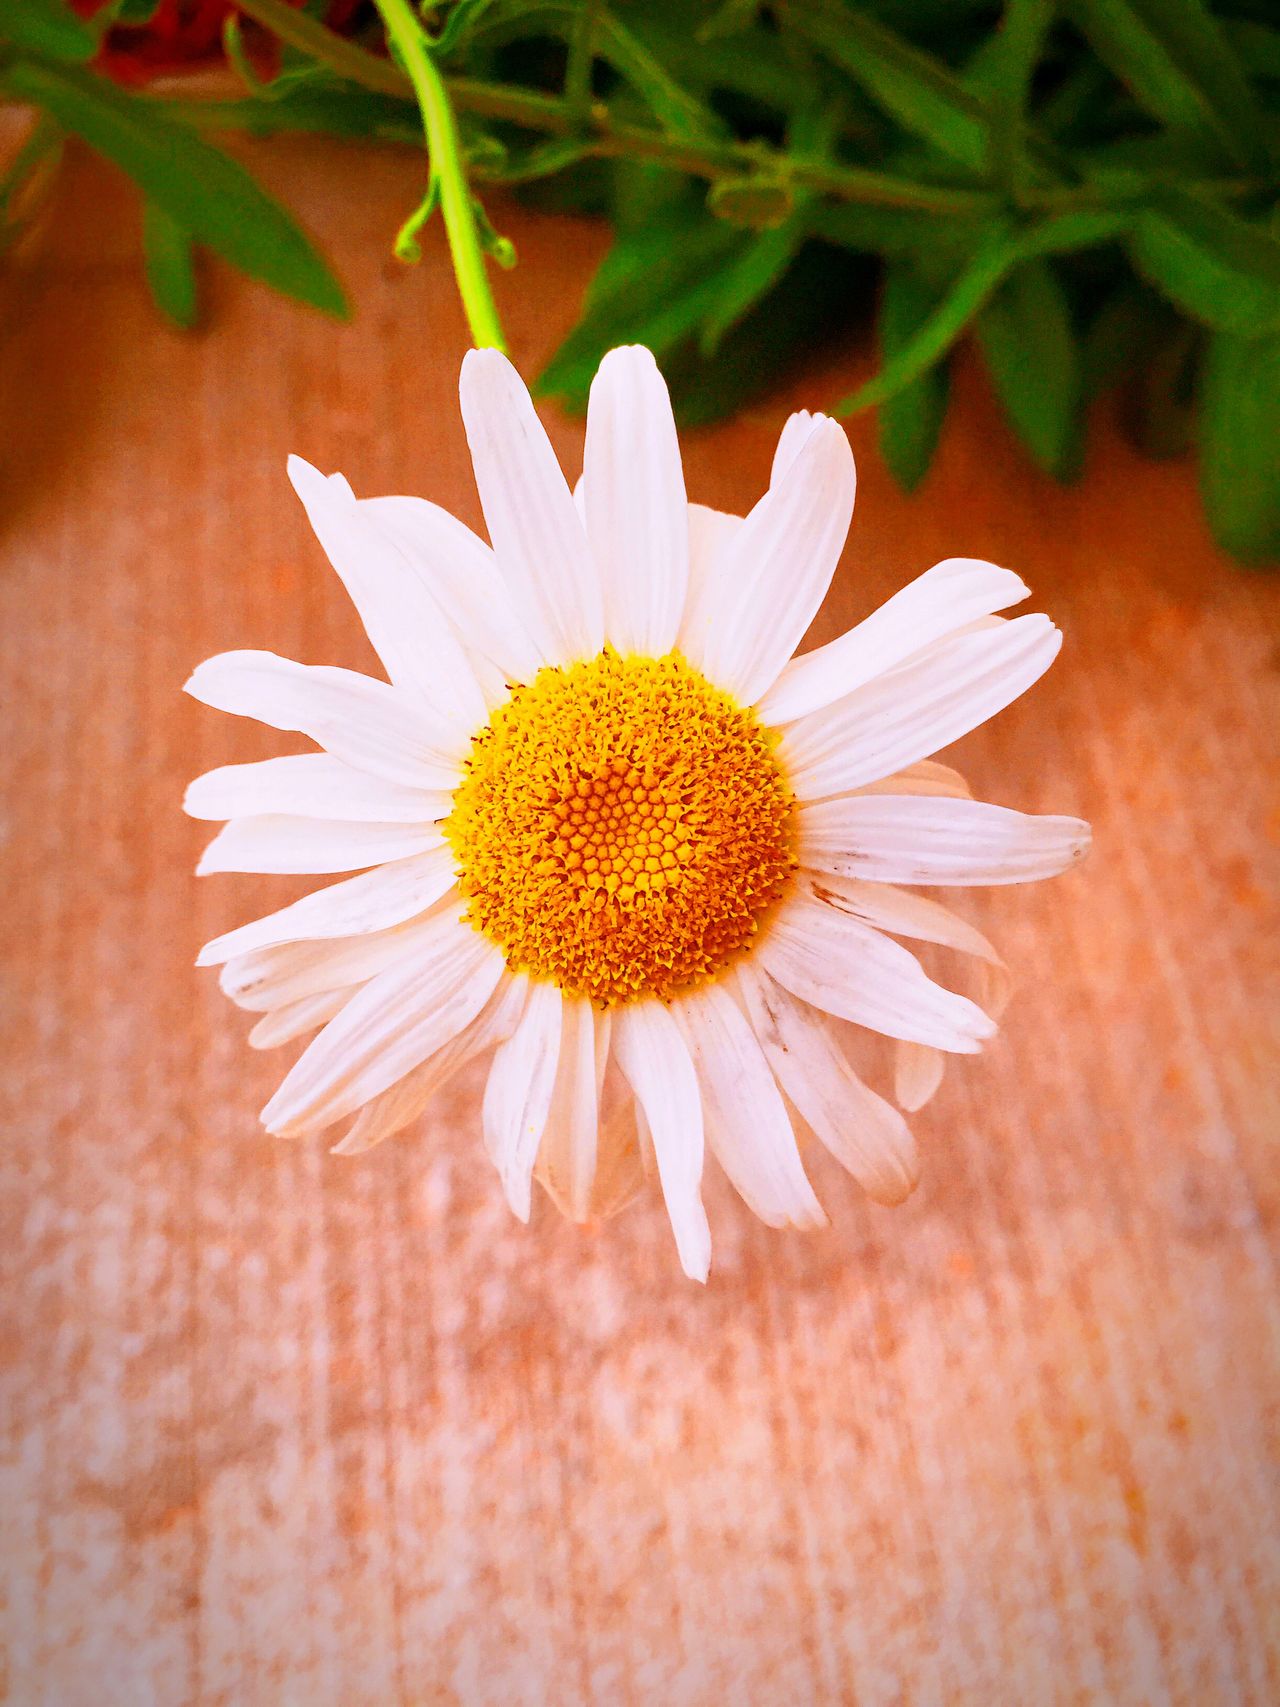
(285, 1428)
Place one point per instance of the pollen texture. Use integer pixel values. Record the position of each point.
(622, 828)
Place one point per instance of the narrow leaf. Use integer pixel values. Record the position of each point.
(1256, 46)
(677, 111)
(893, 230)
(1001, 71)
(935, 337)
(170, 264)
(920, 92)
(1030, 351)
(1239, 467)
(908, 424)
(204, 191)
(748, 278)
(1174, 58)
(1193, 39)
(1217, 267)
(654, 287)
(48, 28)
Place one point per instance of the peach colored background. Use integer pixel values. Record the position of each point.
(284, 1428)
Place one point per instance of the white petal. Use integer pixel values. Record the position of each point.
(272, 844)
(932, 700)
(567, 1152)
(265, 978)
(366, 723)
(746, 1120)
(860, 1129)
(926, 776)
(309, 785)
(401, 614)
(899, 912)
(917, 1073)
(395, 1108)
(771, 577)
(914, 839)
(517, 1096)
(652, 1053)
(387, 1028)
(283, 1024)
(619, 1172)
(494, 683)
(794, 432)
(537, 537)
(388, 895)
(635, 504)
(947, 597)
(846, 968)
(709, 533)
(461, 569)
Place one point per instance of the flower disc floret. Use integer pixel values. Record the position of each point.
(622, 827)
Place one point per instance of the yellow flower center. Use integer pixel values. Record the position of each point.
(622, 827)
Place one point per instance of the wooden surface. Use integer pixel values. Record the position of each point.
(285, 1428)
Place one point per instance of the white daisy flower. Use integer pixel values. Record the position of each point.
(609, 832)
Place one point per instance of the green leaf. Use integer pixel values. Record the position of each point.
(997, 254)
(307, 105)
(131, 12)
(1065, 233)
(1215, 266)
(1005, 60)
(1030, 350)
(747, 63)
(748, 278)
(1256, 46)
(1239, 467)
(170, 264)
(1001, 248)
(1174, 58)
(48, 28)
(653, 287)
(1001, 71)
(680, 114)
(800, 316)
(920, 92)
(676, 110)
(204, 191)
(893, 230)
(462, 15)
(908, 424)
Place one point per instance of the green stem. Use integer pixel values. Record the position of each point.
(444, 149)
(555, 116)
(577, 76)
(605, 137)
(325, 45)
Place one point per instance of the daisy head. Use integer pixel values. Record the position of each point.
(609, 834)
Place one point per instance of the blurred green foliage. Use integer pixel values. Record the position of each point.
(1088, 188)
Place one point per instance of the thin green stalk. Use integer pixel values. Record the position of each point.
(605, 137)
(555, 116)
(577, 76)
(325, 45)
(448, 172)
